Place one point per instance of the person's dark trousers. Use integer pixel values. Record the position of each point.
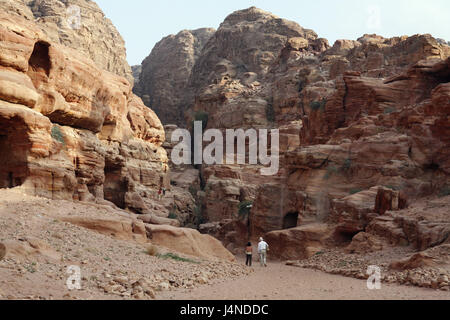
(249, 261)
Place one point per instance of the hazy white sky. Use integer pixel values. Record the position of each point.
(143, 23)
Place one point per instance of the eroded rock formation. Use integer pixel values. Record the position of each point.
(69, 130)
(90, 32)
(363, 134)
(162, 82)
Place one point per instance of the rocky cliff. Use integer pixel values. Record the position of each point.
(364, 147)
(70, 130)
(91, 34)
(363, 135)
(162, 82)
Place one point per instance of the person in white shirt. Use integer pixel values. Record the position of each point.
(263, 247)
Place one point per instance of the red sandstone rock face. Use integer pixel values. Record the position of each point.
(298, 243)
(69, 130)
(189, 241)
(164, 74)
(97, 38)
(354, 119)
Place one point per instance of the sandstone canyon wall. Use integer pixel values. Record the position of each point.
(363, 133)
(95, 36)
(164, 74)
(68, 129)
(363, 129)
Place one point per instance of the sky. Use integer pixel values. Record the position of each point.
(142, 23)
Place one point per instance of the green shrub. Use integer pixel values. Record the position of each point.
(270, 113)
(58, 135)
(444, 192)
(198, 211)
(330, 171)
(173, 215)
(176, 257)
(393, 187)
(355, 191)
(30, 268)
(318, 105)
(389, 110)
(203, 117)
(244, 208)
(193, 191)
(347, 164)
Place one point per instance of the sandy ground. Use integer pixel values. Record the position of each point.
(281, 282)
(110, 266)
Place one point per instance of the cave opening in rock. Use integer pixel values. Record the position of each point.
(344, 237)
(40, 58)
(290, 220)
(431, 167)
(39, 64)
(114, 187)
(14, 147)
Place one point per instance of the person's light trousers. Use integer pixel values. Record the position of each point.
(263, 258)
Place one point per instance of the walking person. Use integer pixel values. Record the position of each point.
(249, 254)
(263, 247)
(160, 194)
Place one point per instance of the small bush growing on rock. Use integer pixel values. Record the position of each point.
(173, 215)
(244, 208)
(198, 211)
(58, 135)
(318, 105)
(30, 268)
(355, 191)
(347, 164)
(445, 192)
(203, 117)
(151, 250)
(270, 113)
(176, 257)
(389, 110)
(193, 191)
(330, 171)
(393, 188)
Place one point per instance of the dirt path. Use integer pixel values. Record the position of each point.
(281, 282)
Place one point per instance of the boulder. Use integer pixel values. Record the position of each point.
(153, 219)
(388, 200)
(190, 242)
(297, 243)
(364, 243)
(116, 227)
(29, 249)
(418, 260)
